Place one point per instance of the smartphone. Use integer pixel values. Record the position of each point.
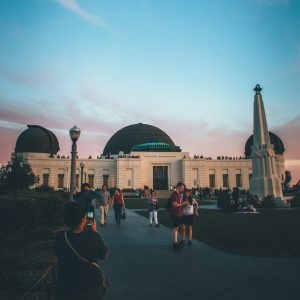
(90, 215)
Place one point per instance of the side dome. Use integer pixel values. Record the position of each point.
(128, 137)
(37, 139)
(275, 141)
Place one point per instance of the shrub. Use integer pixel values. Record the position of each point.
(30, 209)
(268, 202)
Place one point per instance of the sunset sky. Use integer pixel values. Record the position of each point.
(186, 66)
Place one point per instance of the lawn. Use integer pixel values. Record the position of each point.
(270, 233)
(137, 203)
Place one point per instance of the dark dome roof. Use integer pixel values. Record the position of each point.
(132, 135)
(275, 141)
(37, 139)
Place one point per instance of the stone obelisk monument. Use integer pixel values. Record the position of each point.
(265, 180)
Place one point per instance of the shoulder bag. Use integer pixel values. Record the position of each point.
(104, 281)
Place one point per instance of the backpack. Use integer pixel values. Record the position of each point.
(168, 205)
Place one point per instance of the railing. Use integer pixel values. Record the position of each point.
(44, 287)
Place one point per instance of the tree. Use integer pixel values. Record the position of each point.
(16, 175)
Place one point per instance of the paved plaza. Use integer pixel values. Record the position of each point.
(143, 265)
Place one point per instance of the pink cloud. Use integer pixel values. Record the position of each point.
(290, 135)
(192, 135)
(8, 142)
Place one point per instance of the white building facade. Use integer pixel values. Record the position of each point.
(157, 170)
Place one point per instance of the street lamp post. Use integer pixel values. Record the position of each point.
(82, 167)
(66, 177)
(74, 135)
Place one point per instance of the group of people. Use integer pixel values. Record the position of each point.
(101, 199)
(79, 246)
(182, 207)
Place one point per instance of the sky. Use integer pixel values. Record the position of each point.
(186, 66)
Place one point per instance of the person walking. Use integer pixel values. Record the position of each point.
(176, 213)
(85, 198)
(188, 213)
(118, 204)
(104, 205)
(78, 249)
(153, 208)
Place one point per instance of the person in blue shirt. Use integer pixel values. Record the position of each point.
(85, 197)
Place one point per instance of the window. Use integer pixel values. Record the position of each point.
(195, 177)
(46, 179)
(60, 180)
(212, 181)
(91, 180)
(225, 181)
(129, 177)
(238, 180)
(105, 179)
(250, 177)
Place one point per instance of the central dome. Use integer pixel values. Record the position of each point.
(132, 135)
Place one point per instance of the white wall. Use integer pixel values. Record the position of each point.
(180, 166)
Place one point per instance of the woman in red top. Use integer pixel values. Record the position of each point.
(118, 204)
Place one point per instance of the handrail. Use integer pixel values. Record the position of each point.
(40, 279)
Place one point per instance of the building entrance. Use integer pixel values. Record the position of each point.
(160, 178)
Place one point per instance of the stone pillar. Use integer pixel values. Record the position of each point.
(265, 180)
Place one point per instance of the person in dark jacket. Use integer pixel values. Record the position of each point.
(85, 197)
(76, 278)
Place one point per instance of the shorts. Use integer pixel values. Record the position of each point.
(188, 220)
(176, 220)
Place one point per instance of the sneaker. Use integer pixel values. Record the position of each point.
(190, 243)
(182, 242)
(102, 224)
(157, 225)
(150, 225)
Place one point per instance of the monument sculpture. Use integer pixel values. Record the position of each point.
(265, 180)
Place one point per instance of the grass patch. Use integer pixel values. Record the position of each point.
(272, 233)
(138, 203)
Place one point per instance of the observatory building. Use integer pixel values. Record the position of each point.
(136, 156)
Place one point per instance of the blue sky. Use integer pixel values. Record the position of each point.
(188, 67)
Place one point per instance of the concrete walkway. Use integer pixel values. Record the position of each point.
(142, 265)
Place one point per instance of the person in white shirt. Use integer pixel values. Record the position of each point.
(188, 213)
(153, 209)
(104, 205)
